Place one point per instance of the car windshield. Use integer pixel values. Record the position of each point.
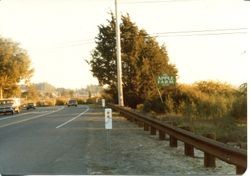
(3, 102)
(72, 101)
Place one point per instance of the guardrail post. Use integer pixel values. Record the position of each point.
(172, 141)
(162, 135)
(188, 149)
(152, 130)
(128, 118)
(240, 170)
(140, 123)
(146, 127)
(135, 120)
(209, 160)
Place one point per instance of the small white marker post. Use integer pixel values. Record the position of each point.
(103, 103)
(108, 125)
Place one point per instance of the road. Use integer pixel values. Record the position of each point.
(47, 141)
(73, 141)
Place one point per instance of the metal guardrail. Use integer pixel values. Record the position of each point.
(212, 149)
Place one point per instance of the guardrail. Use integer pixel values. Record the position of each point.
(212, 149)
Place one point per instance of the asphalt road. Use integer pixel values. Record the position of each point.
(45, 141)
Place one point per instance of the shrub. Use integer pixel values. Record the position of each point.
(239, 108)
(147, 106)
(60, 102)
(91, 100)
(47, 102)
(81, 101)
(158, 106)
(202, 100)
(154, 105)
(140, 107)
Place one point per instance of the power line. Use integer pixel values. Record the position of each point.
(204, 30)
(200, 34)
(152, 1)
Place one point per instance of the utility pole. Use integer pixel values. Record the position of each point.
(1, 93)
(118, 54)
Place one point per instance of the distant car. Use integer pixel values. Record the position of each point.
(72, 102)
(31, 106)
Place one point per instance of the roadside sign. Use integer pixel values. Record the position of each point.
(166, 80)
(103, 103)
(108, 118)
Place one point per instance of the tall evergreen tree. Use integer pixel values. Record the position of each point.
(143, 60)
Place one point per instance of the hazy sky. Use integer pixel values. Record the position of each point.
(205, 39)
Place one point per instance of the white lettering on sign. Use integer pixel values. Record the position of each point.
(103, 103)
(166, 80)
(108, 118)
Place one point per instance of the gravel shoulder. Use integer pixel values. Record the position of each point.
(129, 150)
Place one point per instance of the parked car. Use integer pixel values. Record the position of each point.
(10, 106)
(31, 106)
(72, 102)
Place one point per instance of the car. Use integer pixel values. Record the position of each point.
(9, 106)
(31, 106)
(72, 102)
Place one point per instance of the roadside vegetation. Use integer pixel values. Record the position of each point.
(204, 107)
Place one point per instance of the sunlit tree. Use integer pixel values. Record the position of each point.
(14, 67)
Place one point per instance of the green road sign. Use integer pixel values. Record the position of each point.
(166, 80)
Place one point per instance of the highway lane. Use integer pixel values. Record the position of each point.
(26, 116)
(35, 142)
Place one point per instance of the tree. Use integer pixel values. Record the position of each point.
(31, 93)
(14, 67)
(142, 61)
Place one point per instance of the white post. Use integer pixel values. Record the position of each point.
(103, 103)
(119, 64)
(108, 126)
(108, 118)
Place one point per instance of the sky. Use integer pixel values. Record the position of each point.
(205, 39)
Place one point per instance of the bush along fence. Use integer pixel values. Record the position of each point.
(212, 149)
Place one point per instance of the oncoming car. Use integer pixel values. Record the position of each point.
(72, 102)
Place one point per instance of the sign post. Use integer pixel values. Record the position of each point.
(108, 118)
(103, 103)
(164, 80)
(108, 126)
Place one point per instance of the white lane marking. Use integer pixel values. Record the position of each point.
(35, 117)
(65, 123)
(18, 115)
